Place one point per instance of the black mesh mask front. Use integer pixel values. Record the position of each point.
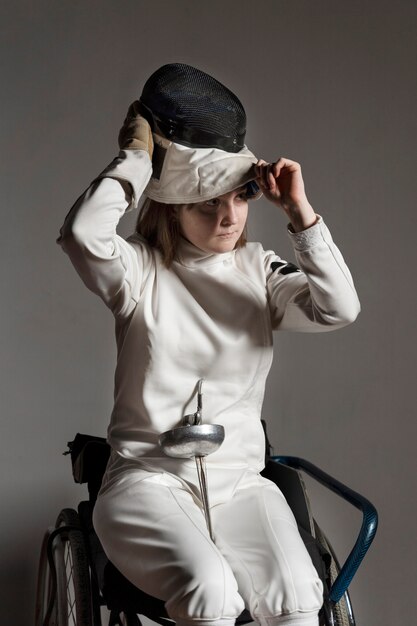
(189, 107)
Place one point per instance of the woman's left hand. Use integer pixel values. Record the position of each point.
(282, 184)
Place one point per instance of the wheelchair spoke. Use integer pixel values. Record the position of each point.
(69, 568)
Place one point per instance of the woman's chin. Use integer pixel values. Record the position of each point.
(225, 243)
(218, 247)
(218, 244)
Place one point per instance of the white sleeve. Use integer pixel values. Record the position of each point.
(317, 296)
(109, 265)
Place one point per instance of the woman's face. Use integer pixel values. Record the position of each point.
(215, 225)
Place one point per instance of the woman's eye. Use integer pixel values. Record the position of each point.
(212, 202)
(209, 207)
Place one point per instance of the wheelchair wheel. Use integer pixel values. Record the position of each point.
(339, 614)
(63, 594)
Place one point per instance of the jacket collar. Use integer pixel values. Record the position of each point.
(191, 256)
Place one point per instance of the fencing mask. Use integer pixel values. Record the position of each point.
(199, 129)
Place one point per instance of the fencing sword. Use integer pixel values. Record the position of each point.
(193, 439)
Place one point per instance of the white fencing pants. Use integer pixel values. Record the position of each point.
(153, 529)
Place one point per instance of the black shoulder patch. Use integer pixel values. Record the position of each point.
(284, 268)
(276, 265)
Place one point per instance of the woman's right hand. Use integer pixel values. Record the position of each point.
(136, 134)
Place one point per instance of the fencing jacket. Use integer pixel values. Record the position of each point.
(209, 316)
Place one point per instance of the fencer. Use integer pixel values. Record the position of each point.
(192, 300)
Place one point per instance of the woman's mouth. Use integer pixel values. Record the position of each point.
(227, 235)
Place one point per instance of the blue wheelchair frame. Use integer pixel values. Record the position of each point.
(367, 530)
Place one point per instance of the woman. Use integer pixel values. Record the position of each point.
(192, 300)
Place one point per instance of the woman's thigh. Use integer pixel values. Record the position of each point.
(153, 530)
(257, 533)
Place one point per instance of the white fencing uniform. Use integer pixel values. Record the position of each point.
(155, 532)
(209, 316)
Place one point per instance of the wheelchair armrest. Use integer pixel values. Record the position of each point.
(369, 520)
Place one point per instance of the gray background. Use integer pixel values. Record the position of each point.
(330, 84)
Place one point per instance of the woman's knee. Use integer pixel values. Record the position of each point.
(213, 596)
(308, 592)
(297, 603)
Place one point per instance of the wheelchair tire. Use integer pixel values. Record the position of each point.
(44, 588)
(339, 614)
(68, 602)
(73, 573)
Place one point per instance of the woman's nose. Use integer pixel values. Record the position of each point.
(229, 214)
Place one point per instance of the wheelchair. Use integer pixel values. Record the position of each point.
(75, 578)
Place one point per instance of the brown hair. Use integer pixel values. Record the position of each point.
(158, 224)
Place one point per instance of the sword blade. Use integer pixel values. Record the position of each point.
(202, 479)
